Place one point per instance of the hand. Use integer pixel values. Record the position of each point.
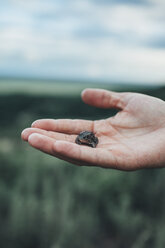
(132, 139)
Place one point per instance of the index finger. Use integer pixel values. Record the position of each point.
(64, 125)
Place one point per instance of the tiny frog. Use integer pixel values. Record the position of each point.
(87, 138)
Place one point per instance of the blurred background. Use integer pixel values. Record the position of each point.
(49, 52)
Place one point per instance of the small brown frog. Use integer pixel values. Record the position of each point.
(87, 138)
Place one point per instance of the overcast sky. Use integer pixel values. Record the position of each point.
(103, 40)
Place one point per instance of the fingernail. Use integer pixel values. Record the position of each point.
(24, 134)
(34, 137)
(34, 123)
(82, 93)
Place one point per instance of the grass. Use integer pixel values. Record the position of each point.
(46, 202)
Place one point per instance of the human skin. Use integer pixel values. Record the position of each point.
(132, 139)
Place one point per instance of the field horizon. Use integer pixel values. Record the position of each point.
(64, 87)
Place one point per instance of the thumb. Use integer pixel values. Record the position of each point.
(103, 98)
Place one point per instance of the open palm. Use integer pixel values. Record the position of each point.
(132, 139)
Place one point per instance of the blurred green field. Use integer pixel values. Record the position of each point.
(38, 87)
(48, 203)
(61, 88)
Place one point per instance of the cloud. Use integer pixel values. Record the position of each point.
(129, 2)
(84, 39)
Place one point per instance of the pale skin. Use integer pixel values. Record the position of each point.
(132, 139)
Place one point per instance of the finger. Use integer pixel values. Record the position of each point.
(85, 155)
(103, 98)
(73, 153)
(54, 135)
(64, 125)
(45, 144)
